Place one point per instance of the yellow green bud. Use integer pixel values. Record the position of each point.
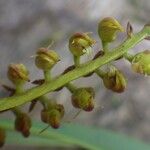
(53, 115)
(141, 62)
(83, 98)
(79, 43)
(23, 124)
(114, 80)
(44, 116)
(46, 59)
(54, 118)
(61, 109)
(2, 137)
(17, 73)
(107, 29)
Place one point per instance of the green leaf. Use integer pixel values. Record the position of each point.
(73, 134)
(33, 140)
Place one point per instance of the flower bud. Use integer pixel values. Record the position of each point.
(18, 73)
(61, 109)
(83, 98)
(54, 118)
(115, 81)
(45, 115)
(141, 62)
(79, 43)
(53, 115)
(23, 124)
(107, 29)
(46, 59)
(2, 137)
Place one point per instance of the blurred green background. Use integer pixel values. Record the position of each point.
(26, 25)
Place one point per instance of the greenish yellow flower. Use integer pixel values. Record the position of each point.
(53, 115)
(18, 73)
(107, 29)
(23, 124)
(83, 98)
(114, 80)
(141, 62)
(80, 43)
(46, 59)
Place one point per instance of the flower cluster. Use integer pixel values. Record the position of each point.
(82, 98)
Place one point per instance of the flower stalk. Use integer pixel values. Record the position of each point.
(59, 81)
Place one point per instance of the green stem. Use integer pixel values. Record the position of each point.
(29, 95)
(46, 102)
(76, 60)
(71, 87)
(19, 89)
(105, 46)
(47, 75)
(100, 73)
(129, 57)
(16, 111)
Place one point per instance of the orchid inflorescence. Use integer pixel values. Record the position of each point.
(82, 97)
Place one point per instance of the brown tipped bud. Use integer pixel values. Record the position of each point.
(53, 116)
(45, 115)
(79, 43)
(23, 124)
(107, 29)
(115, 80)
(18, 73)
(91, 91)
(2, 137)
(46, 59)
(141, 63)
(83, 98)
(61, 109)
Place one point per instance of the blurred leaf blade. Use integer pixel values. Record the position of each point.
(33, 141)
(73, 134)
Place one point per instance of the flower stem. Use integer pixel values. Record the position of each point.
(129, 57)
(16, 111)
(71, 87)
(105, 46)
(61, 80)
(100, 73)
(47, 75)
(45, 101)
(76, 60)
